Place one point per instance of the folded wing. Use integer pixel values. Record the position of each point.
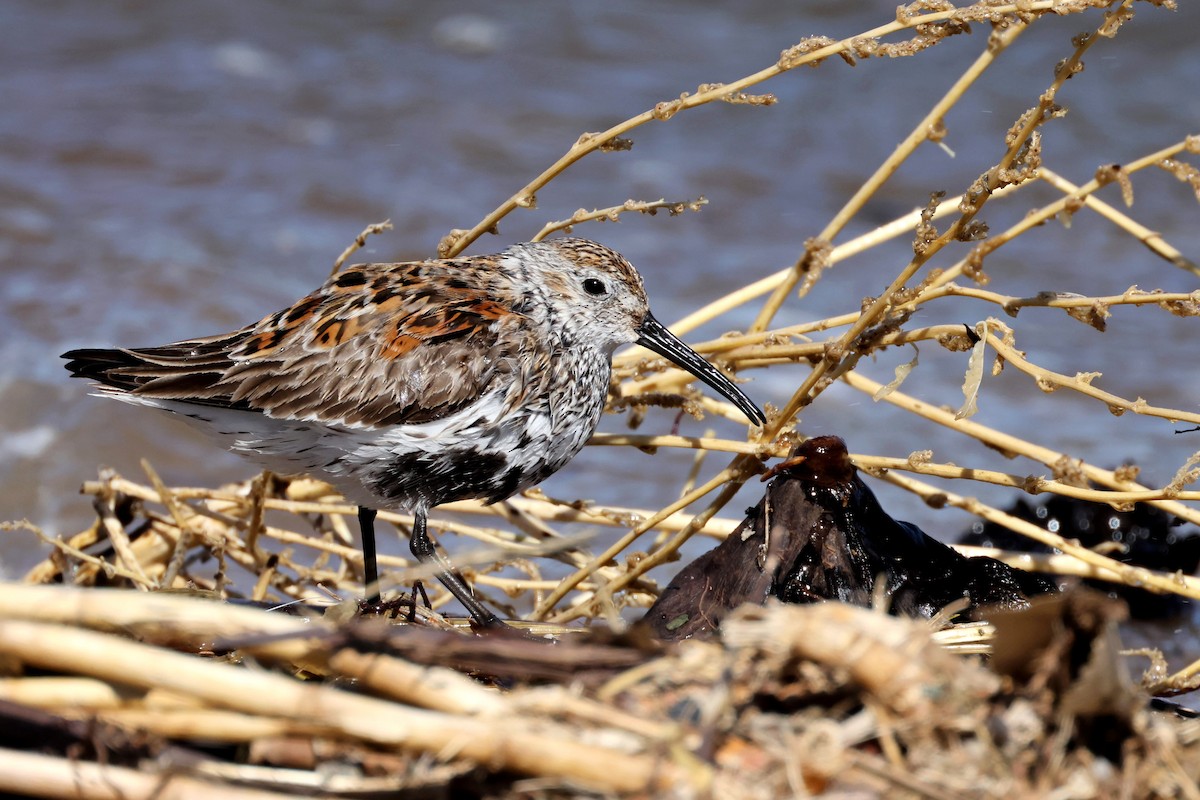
(377, 345)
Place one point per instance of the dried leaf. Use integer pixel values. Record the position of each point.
(974, 377)
(902, 371)
(1096, 315)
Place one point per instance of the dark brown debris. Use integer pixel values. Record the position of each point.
(819, 533)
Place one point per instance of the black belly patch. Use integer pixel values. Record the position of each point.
(429, 480)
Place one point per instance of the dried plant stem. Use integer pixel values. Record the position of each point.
(688, 442)
(1053, 563)
(456, 241)
(160, 616)
(1080, 194)
(1105, 567)
(613, 213)
(619, 516)
(918, 136)
(207, 724)
(1050, 380)
(1152, 239)
(360, 242)
(1185, 677)
(1011, 304)
(889, 664)
(37, 775)
(876, 465)
(1007, 443)
(56, 692)
(502, 743)
(430, 687)
(654, 559)
(770, 347)
(561, 701)
(900, 226)
(106, 508)
(71, 549)
(570, 582)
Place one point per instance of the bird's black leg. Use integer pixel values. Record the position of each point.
(423, 548)
(366, 528)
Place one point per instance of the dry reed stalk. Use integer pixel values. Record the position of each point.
(204, 725)
(501, 743)
(360, 242)
(897, 663)
(60, 778)
(613, 214)
(84, 694)
(913, 694)
(1152, 239)
(1053, 459)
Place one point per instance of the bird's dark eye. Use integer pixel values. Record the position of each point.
(595, 287)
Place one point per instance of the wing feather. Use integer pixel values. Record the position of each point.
(377, 345)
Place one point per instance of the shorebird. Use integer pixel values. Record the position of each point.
(409, 385)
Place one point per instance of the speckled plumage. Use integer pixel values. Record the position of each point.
(411, 385)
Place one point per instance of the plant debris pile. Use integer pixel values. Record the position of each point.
(149, 692)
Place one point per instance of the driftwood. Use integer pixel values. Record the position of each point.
(820, 534)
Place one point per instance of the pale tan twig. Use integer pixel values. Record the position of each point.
(1011, 304)
(802, 54)
(1007, 443)
(502, 742)
(1106, 567)
(920, 133)
(35, 775)
(1048, 381)
(1078, 197)
(105, 505)
(74, 552)
(1152, 239)
(613, 213)
(360, 242)
(573, 580)
(664, 554)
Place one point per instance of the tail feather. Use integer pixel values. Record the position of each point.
(188, 371)
(108, 367)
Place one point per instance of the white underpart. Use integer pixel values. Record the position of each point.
(343, 455)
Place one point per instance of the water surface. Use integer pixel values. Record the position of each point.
(172, 169)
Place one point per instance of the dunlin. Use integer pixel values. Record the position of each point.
(410, 385)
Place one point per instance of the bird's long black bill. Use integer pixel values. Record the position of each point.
(654, 336)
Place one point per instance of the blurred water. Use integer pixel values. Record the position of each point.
(172, 169)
